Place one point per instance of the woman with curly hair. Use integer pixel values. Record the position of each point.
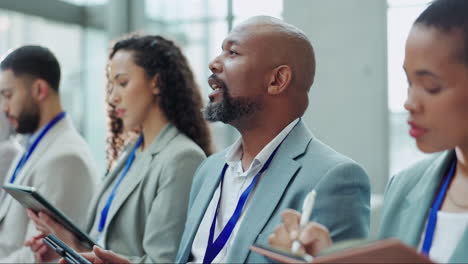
(141, 207)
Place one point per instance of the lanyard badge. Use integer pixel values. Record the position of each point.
(431, 223)
(33, 146)
(110, 199)
(214, 247)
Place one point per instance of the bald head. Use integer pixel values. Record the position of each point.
(284, 44)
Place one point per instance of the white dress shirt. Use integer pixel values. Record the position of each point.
(449, 230)
(236, 180)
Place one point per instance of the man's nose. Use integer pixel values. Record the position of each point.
(216, 65)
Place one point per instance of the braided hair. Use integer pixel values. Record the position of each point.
(180, 98)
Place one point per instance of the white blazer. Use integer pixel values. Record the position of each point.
(62, 170)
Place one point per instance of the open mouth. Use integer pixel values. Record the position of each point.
(217, 85)
(120, 112)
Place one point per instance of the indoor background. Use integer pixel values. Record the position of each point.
(356, 103)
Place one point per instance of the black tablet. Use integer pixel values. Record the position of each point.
(70, 255)
(31, 199)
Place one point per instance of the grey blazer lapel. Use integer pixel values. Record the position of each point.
(6, 199)
(200, 204)
(140, 168)
(418, 203)
(460, 255)
(106, 181)
(42, 147)
(55, 132)
(269, 190)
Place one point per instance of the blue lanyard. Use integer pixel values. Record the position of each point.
(105, 210)
(431, 224)
(213, 248)
(29, 152)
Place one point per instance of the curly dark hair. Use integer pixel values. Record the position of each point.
(180, 98)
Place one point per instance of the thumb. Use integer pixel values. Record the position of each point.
(109, 256)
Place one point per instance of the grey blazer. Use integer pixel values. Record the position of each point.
(62, 170)
(301, 164)
(409, 196)
(147, 216)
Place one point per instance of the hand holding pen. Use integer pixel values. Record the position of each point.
(307, 207)
(312, 237)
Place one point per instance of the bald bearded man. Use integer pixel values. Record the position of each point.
(260, 86)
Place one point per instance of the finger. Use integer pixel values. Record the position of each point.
(276, 242)
(109, 256)
(37, 244)
(47, 221)
(30, 242)
(282, 236)
(52, 226)
(91, 257)
(38, 221)
(291, 220)
(39, 236)
(38, 258)
(33, 216)
(315, 237)
(43, 250)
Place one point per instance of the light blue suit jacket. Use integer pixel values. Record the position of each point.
(301, 164)
(409, 196)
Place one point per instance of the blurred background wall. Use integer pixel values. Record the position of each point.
(356, 103)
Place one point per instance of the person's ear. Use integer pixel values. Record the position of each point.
(155, 85)
(280, 79)
(40, 90)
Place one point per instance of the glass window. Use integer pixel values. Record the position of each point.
(185, 10)
(82, 85)
(401, 15)
(86, 2)
(19, 29)
(248, 8)
(199, 27)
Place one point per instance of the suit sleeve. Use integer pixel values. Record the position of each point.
(166, 220)
(67, 182)
(344, 207)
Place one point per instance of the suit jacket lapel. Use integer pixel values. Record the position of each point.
(273, 183)
(139, 169)
(42, 147)
(6, 199)
(201, 202)
(418, 203)
(106, 181)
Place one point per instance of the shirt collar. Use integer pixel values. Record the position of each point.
(34, 136)
(234, 155)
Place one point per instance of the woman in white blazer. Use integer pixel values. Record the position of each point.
(141, 207)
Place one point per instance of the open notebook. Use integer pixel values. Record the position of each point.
(355, 251)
